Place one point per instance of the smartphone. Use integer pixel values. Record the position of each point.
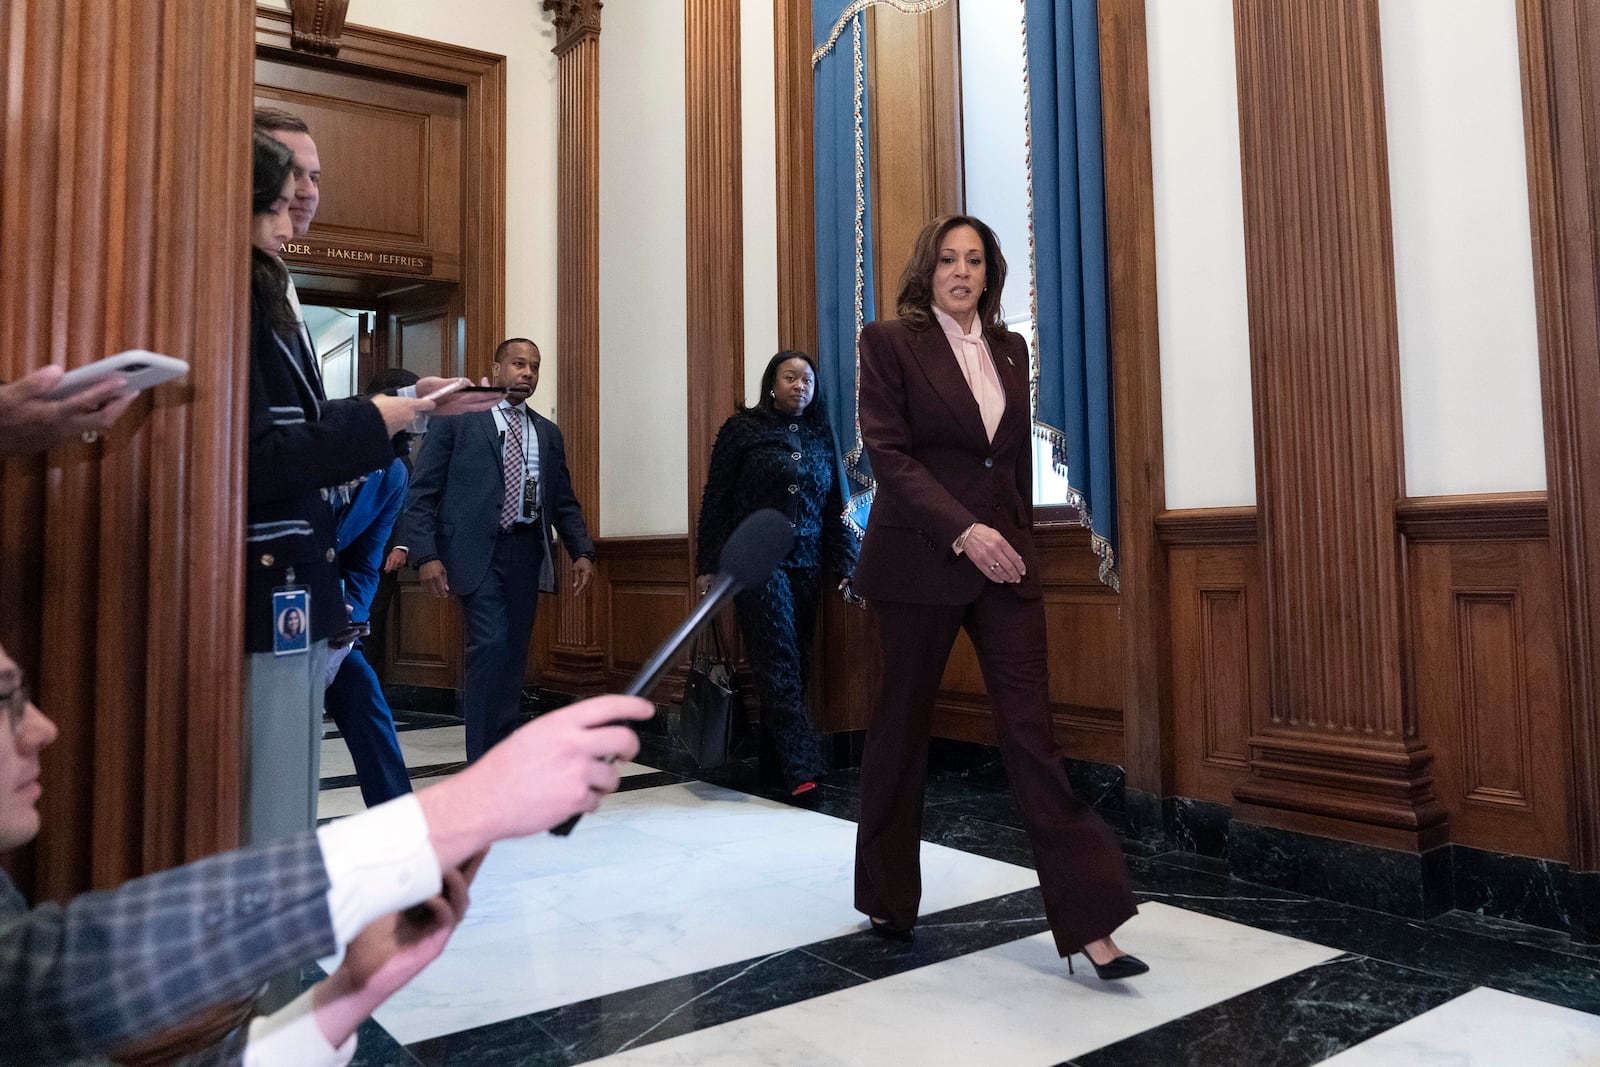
(453, 386)
(143, 369)
(484, 389)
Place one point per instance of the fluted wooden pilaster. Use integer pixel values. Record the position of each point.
(576, 658)
(714, 190)
(1561, 106)
(797, 246)
(1336, 750)
(120, 561)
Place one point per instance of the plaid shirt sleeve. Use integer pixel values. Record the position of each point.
(121, 964)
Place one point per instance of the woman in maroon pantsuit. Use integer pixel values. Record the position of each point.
(946, 421)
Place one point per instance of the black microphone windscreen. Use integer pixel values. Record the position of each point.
(755, 547)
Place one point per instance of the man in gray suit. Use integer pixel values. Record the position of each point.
(487, 492)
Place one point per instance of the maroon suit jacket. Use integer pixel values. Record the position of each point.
(936, 468)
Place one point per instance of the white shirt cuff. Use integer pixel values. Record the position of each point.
(291, 1037)
(378, 862)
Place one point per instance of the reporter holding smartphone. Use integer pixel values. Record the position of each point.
(302, 448)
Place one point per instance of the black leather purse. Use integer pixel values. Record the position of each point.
(706, 723)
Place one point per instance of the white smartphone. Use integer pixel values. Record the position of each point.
(143, 369)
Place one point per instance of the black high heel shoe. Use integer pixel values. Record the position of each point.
(1123, 966)
(890, 932)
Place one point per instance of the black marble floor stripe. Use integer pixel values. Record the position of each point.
(427, 722)
(1463, 949)
(431, 770)
(648, 781)
(1296, 1021)
(603, 1026)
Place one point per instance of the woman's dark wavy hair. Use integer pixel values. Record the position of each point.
(269, 281)
(814, 411)
(914, 305)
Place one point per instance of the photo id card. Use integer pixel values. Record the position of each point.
(291, 621)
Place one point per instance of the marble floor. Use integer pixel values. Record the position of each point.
(699, 922)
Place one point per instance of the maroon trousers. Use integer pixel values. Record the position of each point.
(1081, 870)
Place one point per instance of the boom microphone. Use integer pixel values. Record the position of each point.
(756, 546)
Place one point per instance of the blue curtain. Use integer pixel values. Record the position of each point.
(844, 227)
(1067, 177)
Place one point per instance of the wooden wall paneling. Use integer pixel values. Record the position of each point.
(1218, 646)
(1336, 750)
(425, 639)
(714, 190)
(121, 558)
(914, 129)
(1136, 367)
(1561, 110)
(392, 158)
(576, 656)
(1489, 674)
(645, 595)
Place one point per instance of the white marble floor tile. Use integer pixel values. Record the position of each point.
(660, 882)
(1484, 1028)
(424, 748)
(346, 800)
(1012, 1004)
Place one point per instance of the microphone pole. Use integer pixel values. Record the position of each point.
(753, 550)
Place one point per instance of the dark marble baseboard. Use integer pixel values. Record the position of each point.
(1417, 885)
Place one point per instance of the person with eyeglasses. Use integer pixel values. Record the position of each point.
(115, 967)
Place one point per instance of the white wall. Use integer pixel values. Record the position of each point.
(757, 101)
(1469, 356)
(1200, 269)
(994, 132)
(643, 330)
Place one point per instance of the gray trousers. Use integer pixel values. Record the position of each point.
(284, 741)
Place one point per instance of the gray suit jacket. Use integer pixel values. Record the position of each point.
(452, 510)
(123, 964)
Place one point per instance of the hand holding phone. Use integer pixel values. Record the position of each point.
(142, 370)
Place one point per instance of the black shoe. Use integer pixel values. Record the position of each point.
(1122, 967)
(890, 932)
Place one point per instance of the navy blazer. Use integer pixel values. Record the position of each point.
(937, 470)
(300, 446)
(452, 511)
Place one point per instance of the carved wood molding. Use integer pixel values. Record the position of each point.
(1204, 527)
(1561, 113)
(121, 562)
(318, 25)
(1315, 170)
(714, 203)
(575, 21)
(1487, 517)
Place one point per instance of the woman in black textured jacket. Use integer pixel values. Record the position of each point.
(781, 454)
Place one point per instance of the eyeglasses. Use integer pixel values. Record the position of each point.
(16, 706)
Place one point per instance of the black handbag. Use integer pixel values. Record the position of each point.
(706, 723)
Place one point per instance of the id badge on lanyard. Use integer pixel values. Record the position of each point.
(291, 618)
